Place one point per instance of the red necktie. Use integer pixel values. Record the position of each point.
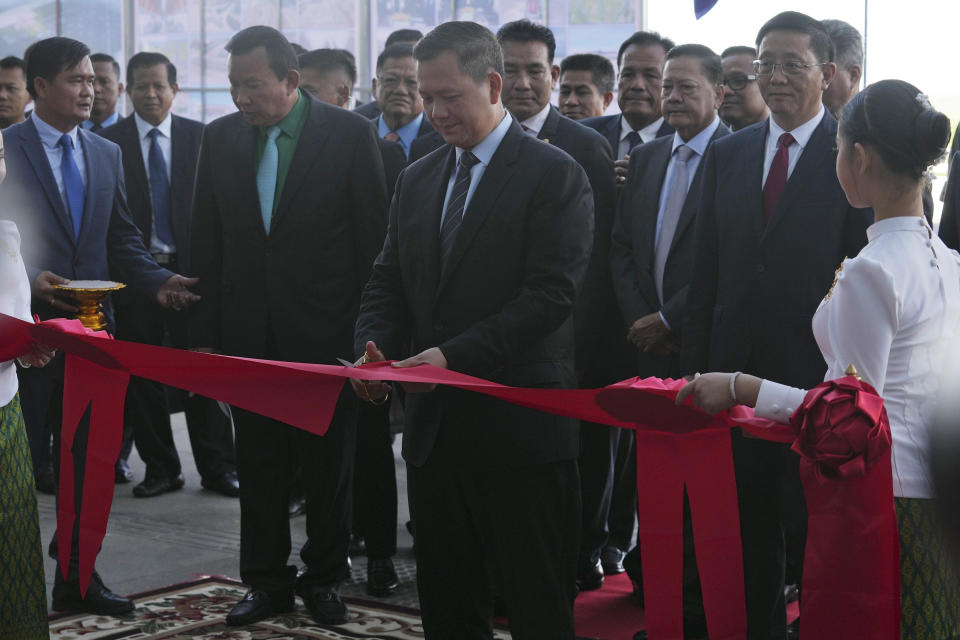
(777, 178)
(393, 136)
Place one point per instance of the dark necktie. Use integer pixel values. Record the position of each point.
(72, 183)
(160, 190)
(672, 209)
(633, 139)
(454, 213)
(96, 127)
(777, 177)
(528, 130)
(393, 136)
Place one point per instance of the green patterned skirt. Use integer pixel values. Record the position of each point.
(23, 598)
(929, 582)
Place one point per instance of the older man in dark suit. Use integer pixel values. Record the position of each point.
(601, 357)
(773, 227)
(488, 242)
(65, 190)
(640, 61)
(160, 153)
(289, 213)
(653, 238)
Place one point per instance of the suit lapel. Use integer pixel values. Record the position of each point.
(690, 204)
(428, 222)
(37, 157)
(494, 178)
(94, 170)
(548, 132)
(242, 159)
(650, 205)
(612, 133)
(309, 146)
(753, 153)
(816, 155)
(179, 160)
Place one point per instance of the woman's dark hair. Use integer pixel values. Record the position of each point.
(897, 119)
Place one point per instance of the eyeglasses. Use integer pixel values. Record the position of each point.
(738, 82)
(792, 68)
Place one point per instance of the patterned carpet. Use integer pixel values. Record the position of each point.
(196, 611)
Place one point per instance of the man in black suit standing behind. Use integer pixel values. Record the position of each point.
(289, 213)
(601, 356)
(401, 36)
(651, 252)
(640, 60)
(773, 227)
(159, 164)
(488, 242)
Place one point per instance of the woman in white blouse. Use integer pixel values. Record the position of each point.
(23, 606)
(894, 313)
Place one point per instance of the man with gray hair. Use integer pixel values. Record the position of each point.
(849, 58)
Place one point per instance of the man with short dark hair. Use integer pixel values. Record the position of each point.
(742, 103)
(529, 77)
(772, 228)
(375, 480)
(501, 229)
(640, 60)
(586, 86)
(652, 245)
(396, 91)
(65, 190)
(400, 36)
(14, 96)
(289, 211)
(160, 153)
(107, 91)
(849, 58)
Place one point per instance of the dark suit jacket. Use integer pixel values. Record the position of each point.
(502, 308)
(602, 357)
(950, 218)
(756, 285)
(185, 137)
(632, 247)
(369, 110)
(31, 198)
(425, 144)
(293, 293)
(394, 160)
(609, 128)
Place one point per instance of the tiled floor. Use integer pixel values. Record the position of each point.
(155, 542)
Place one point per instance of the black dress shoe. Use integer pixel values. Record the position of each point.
(226, 484)
(99, 599)
(382, 578)
(155, 486)
(46, 483)
(611, 559)
(324, 604)
(121, 472)
(590, 578)
(258, 605)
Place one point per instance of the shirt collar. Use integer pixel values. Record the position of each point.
(698, 143)
(898, 223)
(537, 120)
(801, 134)
(408, 132)
(144, 128)
(485, 149)
(50, 135)
(288, 124)
(111, 119)
(649, 132)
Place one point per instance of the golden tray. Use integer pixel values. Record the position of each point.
(89, 295)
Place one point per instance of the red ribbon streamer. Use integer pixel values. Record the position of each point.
(677, 447)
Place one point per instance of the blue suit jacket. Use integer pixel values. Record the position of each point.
(31, 197)
(609, 128)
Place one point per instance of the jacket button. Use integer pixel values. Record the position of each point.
(761, 268)
(438, 328)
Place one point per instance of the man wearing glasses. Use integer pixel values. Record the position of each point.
(773, 227)
(742, 103)
(398, 95)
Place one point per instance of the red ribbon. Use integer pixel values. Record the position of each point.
(677, 447)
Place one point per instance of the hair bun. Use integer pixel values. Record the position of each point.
(931, 130)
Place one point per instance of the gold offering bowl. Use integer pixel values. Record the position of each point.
(89, 295)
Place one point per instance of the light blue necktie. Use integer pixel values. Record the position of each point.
(72, 183)
(267, 176)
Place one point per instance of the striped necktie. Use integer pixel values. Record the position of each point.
(454, 214)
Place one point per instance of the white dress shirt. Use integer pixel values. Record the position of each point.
(801, 136)
(50, 140)
(166, 148)
(14, 298)
(484, 151)
(535, 122)
(894, 314)
(647, 134)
